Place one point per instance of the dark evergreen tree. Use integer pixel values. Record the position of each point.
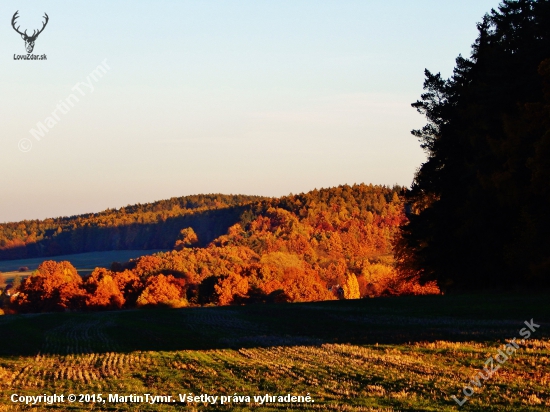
(479, 204)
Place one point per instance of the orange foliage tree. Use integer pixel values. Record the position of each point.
(162, 289)
(103, 291)
(130, 284)
(230, 288)
(187, 238)
(56, 286)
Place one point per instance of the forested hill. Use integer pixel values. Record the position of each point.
(325, 244)
(153, 225)
(159, 225)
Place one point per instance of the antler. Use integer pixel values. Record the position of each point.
(34, 33)
(15, 17)
(43, 26)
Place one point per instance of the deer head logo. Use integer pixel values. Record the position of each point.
(29, 40)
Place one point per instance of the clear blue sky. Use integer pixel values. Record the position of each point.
(252, 97)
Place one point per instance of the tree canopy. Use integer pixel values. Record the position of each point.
(326, 244)
(479, 204)
(153, 225)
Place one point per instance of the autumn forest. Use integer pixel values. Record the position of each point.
(323, 245)
(429, 292)
(475, 217)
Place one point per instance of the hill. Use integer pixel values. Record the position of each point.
(325, 244)
(143, 226)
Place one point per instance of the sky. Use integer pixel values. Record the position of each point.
(173, 98)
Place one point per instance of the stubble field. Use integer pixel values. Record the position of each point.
(385, 354)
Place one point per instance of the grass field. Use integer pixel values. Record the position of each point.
(384, 354)
(83, 262)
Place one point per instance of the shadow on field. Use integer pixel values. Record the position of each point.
(399, 320)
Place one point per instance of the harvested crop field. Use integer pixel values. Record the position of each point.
(387, 354)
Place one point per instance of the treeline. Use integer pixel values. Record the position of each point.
(143, 226)
(479, 205)
(326, 244)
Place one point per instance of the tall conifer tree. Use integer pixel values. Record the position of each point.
(479, 204)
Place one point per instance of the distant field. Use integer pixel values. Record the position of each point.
(83, 262)
(383, 354)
